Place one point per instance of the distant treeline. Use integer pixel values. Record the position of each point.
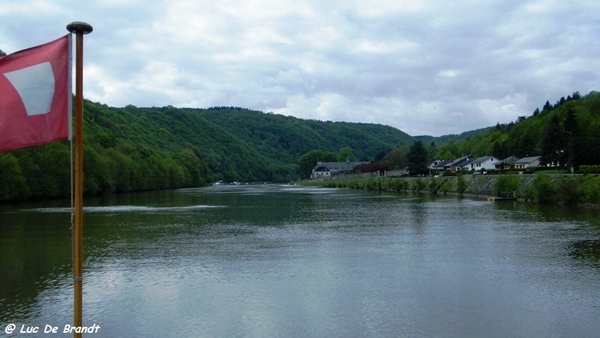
(44, 172)
(566, 133)
(134, 149)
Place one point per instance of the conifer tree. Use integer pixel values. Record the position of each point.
(417, 159)
(552, 143)
(571, 129)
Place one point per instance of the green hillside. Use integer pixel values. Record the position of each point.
(567, 132)
(286, 138)
(452, 138)
(133, 149)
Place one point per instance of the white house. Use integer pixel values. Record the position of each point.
(328, 169)
(482, 163)
(320, 171)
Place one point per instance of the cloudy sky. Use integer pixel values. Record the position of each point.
(426, 66)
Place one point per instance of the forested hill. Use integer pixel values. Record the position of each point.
(131, 149)
(285, 138)
(566, 132)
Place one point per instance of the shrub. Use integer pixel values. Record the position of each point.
(418, 184)
(505, 183)
(590, 169)
(461, 184)
(432, 184)
(591, 190)
(570, 190)
(542, 190)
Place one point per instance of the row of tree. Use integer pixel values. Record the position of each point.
(44, 171)
(133, 149)
(414, 158)
(566, 134)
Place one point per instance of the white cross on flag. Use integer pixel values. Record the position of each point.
(35, 95)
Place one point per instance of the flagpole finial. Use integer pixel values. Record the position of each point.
(80, 27)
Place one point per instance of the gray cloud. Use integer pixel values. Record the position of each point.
(425, 67)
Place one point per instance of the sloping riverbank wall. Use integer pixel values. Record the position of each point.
(539, 188)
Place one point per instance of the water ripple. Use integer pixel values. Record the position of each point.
(128, 208)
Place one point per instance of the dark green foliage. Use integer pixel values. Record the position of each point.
(418, 184)
(467, 135)
(564, 189)
(433, 183)
(552, 143)
(396, 159)
(543, 190)
(417, 158)
(590, 169)
(525, 146)
(567, 133)
(505, 184)
(134, 149)
(591, 190)
(12, 181)
(570, 190)
(131, 148)
(499, 150)
(461, 184)
(547, 107)
(540, 188)
(284, 138)
(346, 154)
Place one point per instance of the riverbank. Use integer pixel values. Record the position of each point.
(536, 188)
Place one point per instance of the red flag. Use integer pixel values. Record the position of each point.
(35, 95)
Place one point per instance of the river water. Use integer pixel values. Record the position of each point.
(290, 261)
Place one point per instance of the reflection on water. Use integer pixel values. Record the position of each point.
(126, 208)
(296, 261)
(587, 251)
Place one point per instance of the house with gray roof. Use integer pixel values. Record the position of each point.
(481, 163)
(457, 164)
(438, 165)
(507, 163)
(528, 162)
(326, 170)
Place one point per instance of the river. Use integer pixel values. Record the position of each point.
(292, 261)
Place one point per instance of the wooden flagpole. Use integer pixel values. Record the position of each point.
(79, 29)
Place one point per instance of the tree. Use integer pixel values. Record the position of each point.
(499, 150)
(380, 155)
(417, 159)
(552, 143)
(307, 161)
(346, 154)
(547, 107)
(12, 181)
(572, 134)
(526, 147)
(396, 159)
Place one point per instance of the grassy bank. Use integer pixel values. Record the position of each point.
(537, 188)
